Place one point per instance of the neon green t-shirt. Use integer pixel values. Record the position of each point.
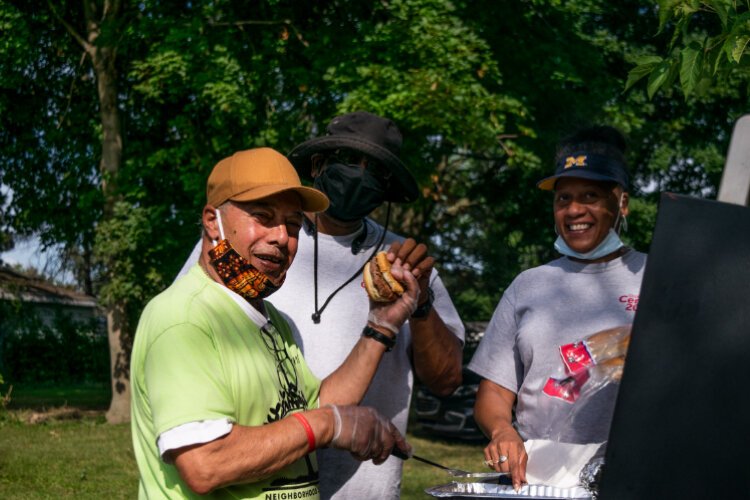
(198, 356)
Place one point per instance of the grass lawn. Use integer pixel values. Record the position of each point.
(456, 454)
(84, 457)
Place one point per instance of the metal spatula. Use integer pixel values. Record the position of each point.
(453, 472)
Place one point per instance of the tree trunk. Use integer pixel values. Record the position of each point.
(103, 61)
(119, 352)
(117, 324)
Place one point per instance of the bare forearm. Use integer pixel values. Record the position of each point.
(437, 354)
(349, 383)
(493, 410)
(249, 454)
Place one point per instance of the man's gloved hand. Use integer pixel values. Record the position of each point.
(391, 315)
(366, 433)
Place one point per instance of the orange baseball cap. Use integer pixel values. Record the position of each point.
(258, 173)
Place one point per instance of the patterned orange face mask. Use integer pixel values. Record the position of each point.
(237, 273)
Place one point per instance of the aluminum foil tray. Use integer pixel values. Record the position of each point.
(490, 490)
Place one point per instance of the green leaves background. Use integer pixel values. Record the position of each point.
(481, 89)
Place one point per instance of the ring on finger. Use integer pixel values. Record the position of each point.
(501, 459)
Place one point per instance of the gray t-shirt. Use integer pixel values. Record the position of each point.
(327, 344)
(545, 307)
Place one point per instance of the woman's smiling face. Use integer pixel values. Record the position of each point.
(585, 210)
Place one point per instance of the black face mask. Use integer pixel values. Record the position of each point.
(353, 191)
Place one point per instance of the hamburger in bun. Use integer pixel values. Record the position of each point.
(380, 284)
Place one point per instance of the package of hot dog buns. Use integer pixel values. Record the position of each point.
(586, 380)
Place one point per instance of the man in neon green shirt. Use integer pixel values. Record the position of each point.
(223, 401)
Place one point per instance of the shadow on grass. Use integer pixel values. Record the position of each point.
(40, 397)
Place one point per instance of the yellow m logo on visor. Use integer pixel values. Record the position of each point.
(575, 161)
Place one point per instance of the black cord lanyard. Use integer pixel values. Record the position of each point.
(318, 312)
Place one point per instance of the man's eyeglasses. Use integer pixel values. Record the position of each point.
(284, 367)
(351, 157)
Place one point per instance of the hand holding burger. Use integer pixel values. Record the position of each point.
(414, 258)
(380, 284)
(393, 291)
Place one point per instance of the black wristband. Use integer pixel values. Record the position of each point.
(423, 310)
(372, 333)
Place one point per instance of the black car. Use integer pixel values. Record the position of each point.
(450, 416)
(453, 416)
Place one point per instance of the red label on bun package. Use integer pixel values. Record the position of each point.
(567, 389)
(576, 357)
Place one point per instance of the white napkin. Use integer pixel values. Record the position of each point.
(557, 464)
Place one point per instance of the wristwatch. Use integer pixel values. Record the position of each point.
(387, 341)
(423, 310)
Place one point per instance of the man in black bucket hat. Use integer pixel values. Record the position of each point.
(368, 135)
(357, 165)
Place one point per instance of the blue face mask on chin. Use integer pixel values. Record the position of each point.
(611, 243)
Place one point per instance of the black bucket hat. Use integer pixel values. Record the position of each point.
(366, 133)
(584, 165)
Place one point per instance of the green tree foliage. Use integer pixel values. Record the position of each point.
(196, 82)
(560, 61)
(422, 65)
(708, 44)
(567, 63)
(481, 89)
(681, 136)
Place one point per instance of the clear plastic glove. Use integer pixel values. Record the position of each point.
(366, 433)
(391, 315)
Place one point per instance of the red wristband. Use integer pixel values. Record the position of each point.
(308, 430)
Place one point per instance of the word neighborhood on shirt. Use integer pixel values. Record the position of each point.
(292, 495)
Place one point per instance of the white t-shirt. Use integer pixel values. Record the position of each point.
(327, 344)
